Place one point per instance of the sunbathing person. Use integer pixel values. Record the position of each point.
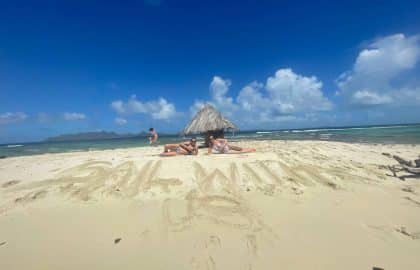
(221, 146)
(184, 148)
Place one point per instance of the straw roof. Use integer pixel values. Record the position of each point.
(208, 119)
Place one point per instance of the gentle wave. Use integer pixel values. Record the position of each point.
(331, 129)
(267, 132)
(14, 145)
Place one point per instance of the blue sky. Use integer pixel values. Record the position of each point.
(73, 66)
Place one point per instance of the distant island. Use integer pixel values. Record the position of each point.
(95, 135)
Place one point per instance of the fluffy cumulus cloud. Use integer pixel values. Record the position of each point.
(12, 117)
(286, 96)
(74, 116)
(374, 78)
(293, 92)
(159, 109)
(219, 88)
(120, 121)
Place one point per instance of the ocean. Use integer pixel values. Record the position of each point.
(391, 134)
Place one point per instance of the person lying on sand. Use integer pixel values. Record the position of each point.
(221, 146)
(184, 148)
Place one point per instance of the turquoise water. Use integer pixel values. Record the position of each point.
(405, 134)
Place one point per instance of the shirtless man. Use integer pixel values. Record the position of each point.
(184, 148)
(153, 136)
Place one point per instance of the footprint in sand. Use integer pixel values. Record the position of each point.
(10, 183)
(404, 231)
(408, 189)
(203, 263)
(251, 241)
(412, 200)
(214, 240)
(32, 196)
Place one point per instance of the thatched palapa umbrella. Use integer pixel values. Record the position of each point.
(208, 122)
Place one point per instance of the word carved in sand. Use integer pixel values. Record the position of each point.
(96, 179)
(93, 179)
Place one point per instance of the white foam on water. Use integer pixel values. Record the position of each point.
(267, 132)
(329, 129)
(14, 145)
(349, 128)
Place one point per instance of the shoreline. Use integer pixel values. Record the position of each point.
(234, 141)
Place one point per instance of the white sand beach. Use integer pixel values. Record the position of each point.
(290, 205)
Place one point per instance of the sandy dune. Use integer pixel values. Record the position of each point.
(291, 205)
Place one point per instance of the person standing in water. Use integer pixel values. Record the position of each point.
(153, 136)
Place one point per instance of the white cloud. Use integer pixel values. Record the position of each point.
(72, 116)
(161, 109)
(294, 92)
(120, 121)
(366, 97)
(158, 109)
(219, 88)
(372, 80)
(198, 104)
(118, 106)
(389, 55)
(12, 117)
(284, 96)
